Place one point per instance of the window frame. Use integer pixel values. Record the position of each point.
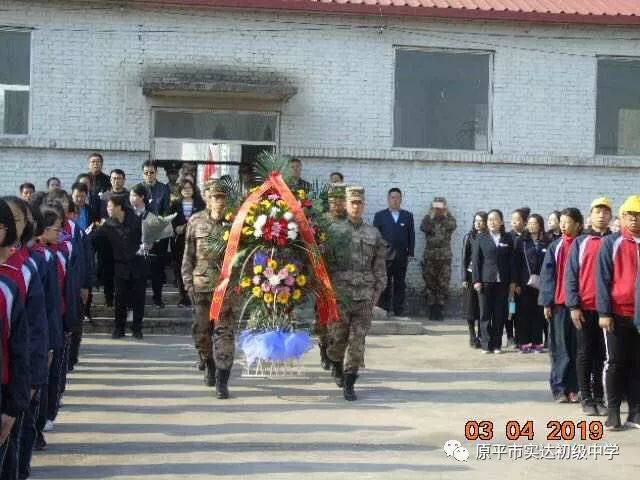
(28, 30)
(598, 58)
(490, 54)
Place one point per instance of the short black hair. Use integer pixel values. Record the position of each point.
(295, 160)
(81, 187)
(117, 171)
(574, 214)
(27, 185)
(29, 227)
(97, 155)
(338, 174)
(524, 214)
(56, 206)
(6, 219)
(118, 201)
(49, 216)
(60, 195)
(394, 189)
(499, 213)
(81, 176)
(140, 190)
(150, 163)
(52, 179)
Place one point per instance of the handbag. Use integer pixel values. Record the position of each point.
(534, 280)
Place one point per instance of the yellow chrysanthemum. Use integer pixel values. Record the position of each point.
(257, 269)
(225, 235)
(251, 190)
(272, 264)
(245, 282)
(256, 292)
(297, 294)
(229, 216)
(301, 280)
(268, 298)
(266, 204)
(291, 267)
(283, 298)
(247, 231)
(323, 237)
(281, 203)
(250, 220)
(302, 195)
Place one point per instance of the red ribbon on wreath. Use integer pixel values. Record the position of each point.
(326, 302)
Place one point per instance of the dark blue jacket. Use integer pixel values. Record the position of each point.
(400, 236)
(49, 275)
(158, 198)
(546, 297)
(16, 394)
(36, 313)
(528, 257)
(490, 261)
(617, 276)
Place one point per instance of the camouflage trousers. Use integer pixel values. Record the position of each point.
(347, 335)
(321, 331)
(437, 276)
(209, 340)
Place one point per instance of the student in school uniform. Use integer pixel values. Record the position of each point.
(471, 302)
(562, 333)
(491, 275)
(580, 279)
(529, 251)
(616, 301)
(14, 339)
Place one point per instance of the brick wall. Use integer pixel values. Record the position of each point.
(88, 62)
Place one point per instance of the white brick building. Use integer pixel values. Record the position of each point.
(332, 70)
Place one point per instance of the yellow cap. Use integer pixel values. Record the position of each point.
(631, 204)
(602, 202)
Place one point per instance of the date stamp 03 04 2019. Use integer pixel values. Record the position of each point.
(557, 431)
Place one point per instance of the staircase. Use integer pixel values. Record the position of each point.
(177, 320)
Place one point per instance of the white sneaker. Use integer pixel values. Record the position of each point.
(130, 316)
(61, 403)
(48, 426)
(497, 351)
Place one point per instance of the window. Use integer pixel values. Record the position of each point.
(618, 107)
(442, 99)
(234, 126)
(15, 47)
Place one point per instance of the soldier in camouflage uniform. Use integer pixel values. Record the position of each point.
(363, 276)
(438, 226)
(200, 271)
(336, 213)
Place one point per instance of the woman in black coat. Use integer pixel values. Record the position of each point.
(189, 203)
(529, 252)
(471, 303)
(491, 274)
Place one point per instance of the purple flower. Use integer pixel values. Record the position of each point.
(260, 258)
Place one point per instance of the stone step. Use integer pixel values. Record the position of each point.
(169, 311)
(181, 325)
(169, 297)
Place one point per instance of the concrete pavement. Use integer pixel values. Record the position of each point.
(139, 410)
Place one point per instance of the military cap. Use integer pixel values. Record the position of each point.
(214, 187)
(355, 193)
(336, 190)
(172, 167)
(439, 199)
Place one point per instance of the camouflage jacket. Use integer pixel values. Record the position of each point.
(362, 271)
(438, 231)
(200, 264)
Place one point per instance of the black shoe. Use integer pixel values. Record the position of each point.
(633, 421)
(109, 304)
(325, 363)
(222, 378)
(158, 303)
(336, 372)
(348, 390)
(601, 407)
(40, 443)
(137, 334)
(589, 408)
(117, 334)
(210, 372)
(202, 364)
(432, 312)
(440, 313)
(613, 422)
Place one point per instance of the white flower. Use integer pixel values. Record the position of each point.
(257, 232)
(292, 234)
(288, 216)
(274, 212)
(292, 226)
(260, 222)
(274, 280)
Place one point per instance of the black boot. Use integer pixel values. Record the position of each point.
(325, 363)
(432, 312)
(210, 372)
(439, 313)
(613, 422)
(222, 378)
(336, 372)
(348, 391)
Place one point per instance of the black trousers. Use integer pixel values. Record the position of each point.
(10, 452)
(494, 306)
(105, 271)
(472, 309)
(57, 384)
(530, 320)
(177, 250)
(74, 346)
(28, 434)
(393, 295)
(156, 275)
(622, 365)
(590, 357)
(129, 291)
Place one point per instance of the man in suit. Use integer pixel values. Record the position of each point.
(397, 229)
